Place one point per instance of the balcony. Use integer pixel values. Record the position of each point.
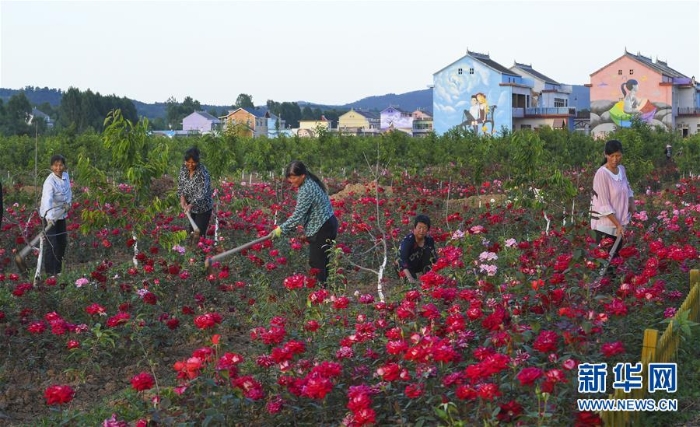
(689, 111)
(553, 111)
(519, 113)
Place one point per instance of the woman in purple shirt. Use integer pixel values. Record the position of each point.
(613, 200)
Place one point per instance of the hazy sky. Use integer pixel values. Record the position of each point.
(328, 52)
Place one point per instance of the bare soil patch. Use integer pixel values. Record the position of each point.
(368, 189)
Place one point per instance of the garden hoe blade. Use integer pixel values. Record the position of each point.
(607, 262)
(195, 229)
(211, 260)
(19, 258)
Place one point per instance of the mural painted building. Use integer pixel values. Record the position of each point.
(395, 118)
(476, 93)
(634, 87)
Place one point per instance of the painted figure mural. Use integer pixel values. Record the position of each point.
(632, 88)
(470, 94)
(477, 117)
(472, 117)
(631, 106)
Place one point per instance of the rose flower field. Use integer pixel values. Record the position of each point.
(137, 332)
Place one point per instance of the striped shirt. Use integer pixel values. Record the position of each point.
(196, 189)
(312, 211)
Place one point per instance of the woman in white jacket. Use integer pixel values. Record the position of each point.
(612, 202)
(56, 197)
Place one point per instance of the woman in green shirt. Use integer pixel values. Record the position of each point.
(315, 213)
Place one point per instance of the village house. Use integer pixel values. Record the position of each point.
(422, 123)
(310, 128)
(356, 122)
(252, 122)
(635, 87)
(36, 113)
(393, 118)
(478, 94)
(200, 122)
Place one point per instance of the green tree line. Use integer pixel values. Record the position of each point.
(522, 156)
(79, 112)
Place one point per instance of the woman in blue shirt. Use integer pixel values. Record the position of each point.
(417, 251)
(315, 213)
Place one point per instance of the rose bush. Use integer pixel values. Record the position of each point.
(493, 334)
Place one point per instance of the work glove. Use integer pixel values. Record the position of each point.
(50, 223)
(277, 232)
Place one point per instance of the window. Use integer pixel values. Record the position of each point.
(459, 71)
(471, 71)
(619, 72)
(525, 126)
(631, 72)
(559, 102)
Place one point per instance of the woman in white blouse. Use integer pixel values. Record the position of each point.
(613, 199)
(56, 197)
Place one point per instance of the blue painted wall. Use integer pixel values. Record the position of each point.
(452, 97)
(580, 97)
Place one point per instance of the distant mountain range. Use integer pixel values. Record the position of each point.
(409, 101)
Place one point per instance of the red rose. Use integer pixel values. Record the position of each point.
(150, 298)
(413, 391)
(509, 411)
(208, 320)
(59, 394)
(295, 281)
(528, 376)
(142, 381)
(588, 419)
(546, 342)
(36, 327)
(612, 348)
(118, 319)
(488, 391)
(311, 326)
(365, 416)
(172, 323)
